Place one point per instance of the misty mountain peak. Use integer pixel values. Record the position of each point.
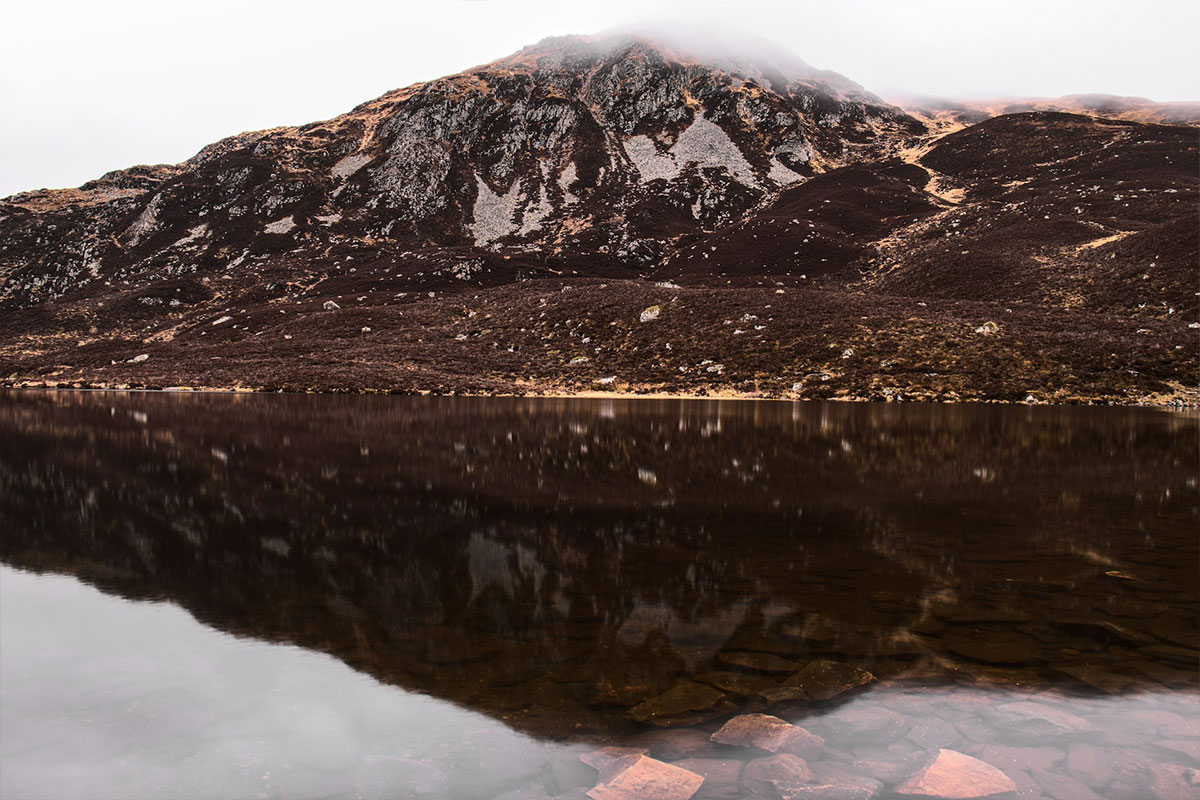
(742, 56)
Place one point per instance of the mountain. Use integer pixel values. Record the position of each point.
(627, 213)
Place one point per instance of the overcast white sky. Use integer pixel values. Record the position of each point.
(89, 86)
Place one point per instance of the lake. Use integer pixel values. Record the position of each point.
(282, 596)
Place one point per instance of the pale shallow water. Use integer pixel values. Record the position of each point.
(411, 597)
(108, 698)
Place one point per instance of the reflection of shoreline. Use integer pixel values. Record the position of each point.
(412, 540)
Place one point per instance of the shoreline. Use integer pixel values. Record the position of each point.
(1174, 404)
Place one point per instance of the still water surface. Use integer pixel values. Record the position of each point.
(308, 597)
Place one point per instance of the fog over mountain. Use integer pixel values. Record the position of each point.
(150, 82)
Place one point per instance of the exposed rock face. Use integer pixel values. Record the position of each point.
(622, 158)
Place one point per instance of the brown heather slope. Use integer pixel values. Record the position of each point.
(503, 230)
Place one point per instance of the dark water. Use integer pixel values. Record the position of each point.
(304, 597)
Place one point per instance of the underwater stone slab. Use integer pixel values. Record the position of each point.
(1177, 655)
(1004, 757)
(1063, 787)
(1091, 764)
(823, 680)
(722, 777)
(956, 776)
(1174, 782)
(775, 776)
(738, 683)
(1185, 747)
(769, 733)
(684, 704)
(836, 781)
(869, 725)
(777, 695)
(933, 733)
(1105, 631)
(643, 778)
(1098, 678)
(1039, 722)
(672, 744)
(758, 662)
(994, 650)
(604, 758)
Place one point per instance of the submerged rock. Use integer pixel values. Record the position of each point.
(995, 650)
(1038, 722)
(639, 777)
(956, 776)
(737, 683)
(684, 704)
(722, 777)
(835, 781)
(866, 725)
(1063, 787)
(775, 777)
(1105, 631)
(777, 695)
(1174, 782)
(1098, 678)
(823, 680)
(675, 743)
(605, 758)
(758, 662)
(771, 734)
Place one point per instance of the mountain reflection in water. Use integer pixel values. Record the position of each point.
(564, 565)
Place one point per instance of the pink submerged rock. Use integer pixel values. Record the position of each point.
(639, 777)
(769, 733)
(956, 776)
(775, 776)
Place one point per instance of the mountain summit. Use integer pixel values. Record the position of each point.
(643, 173)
